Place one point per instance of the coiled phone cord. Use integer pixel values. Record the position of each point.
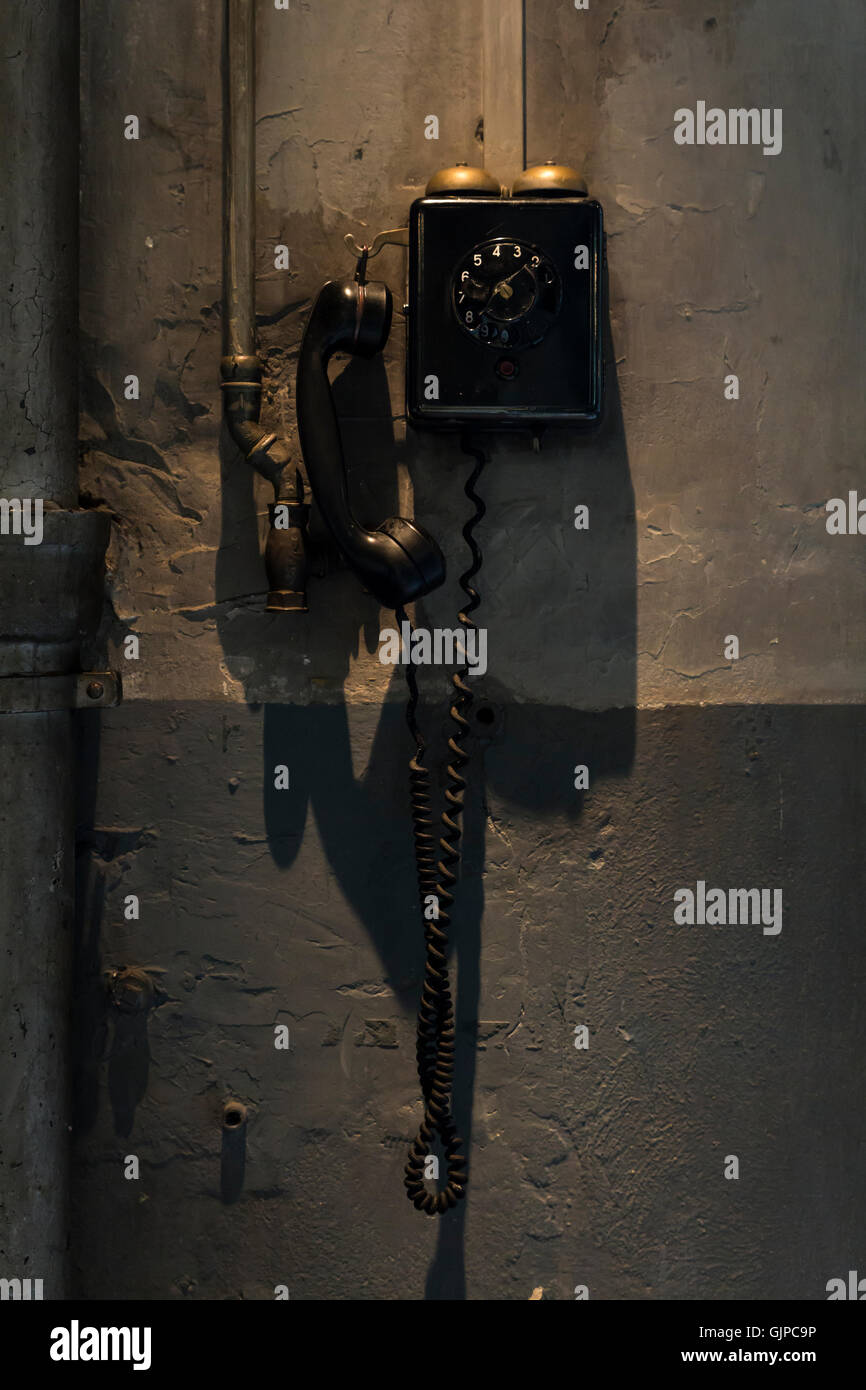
(436, 1026)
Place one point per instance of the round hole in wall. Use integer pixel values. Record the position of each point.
(485, 715)
(233, 1116)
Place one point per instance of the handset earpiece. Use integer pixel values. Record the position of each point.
(399, 561)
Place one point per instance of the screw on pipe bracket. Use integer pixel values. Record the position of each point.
(100, 689)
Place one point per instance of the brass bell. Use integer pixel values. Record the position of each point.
(550, 180)
(462, 181)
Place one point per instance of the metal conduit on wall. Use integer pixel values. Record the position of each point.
(50, 594)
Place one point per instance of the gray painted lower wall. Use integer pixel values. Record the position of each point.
(36, 948)
(603, 1166)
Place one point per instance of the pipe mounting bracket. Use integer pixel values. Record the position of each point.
(71, 690)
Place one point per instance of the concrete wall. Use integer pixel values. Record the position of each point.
(707, 519)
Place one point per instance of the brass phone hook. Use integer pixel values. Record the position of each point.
(397, 236)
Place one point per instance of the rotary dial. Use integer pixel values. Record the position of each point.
(506, 294)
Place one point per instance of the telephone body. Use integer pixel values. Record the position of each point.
(504, 312)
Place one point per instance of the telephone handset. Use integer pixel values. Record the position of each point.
(398, 562)
(505, 320)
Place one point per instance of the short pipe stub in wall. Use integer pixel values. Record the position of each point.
(286, 558)
(234, 1116)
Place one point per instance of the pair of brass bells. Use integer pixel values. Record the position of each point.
(548, 180)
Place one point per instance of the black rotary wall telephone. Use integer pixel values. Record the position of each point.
(505, 330)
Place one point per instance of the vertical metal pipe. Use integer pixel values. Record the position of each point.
(38, 631)
(39, 250)
(240, 180)
(240, 369)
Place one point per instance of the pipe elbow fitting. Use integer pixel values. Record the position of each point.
(286, 546)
